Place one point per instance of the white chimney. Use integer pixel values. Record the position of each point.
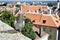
(29, 11)
(58, 5)
(33, 3)
(14, 6)
(42, 12)
(24, 3)
(49, 10)
(37, 11)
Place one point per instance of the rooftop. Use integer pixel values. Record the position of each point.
(44, 20)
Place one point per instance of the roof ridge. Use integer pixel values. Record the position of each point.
(53, 20)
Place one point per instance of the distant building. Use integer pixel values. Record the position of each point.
(34, 8)
(43, 20)
(46, 21)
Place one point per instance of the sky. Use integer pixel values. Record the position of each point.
(28, 0)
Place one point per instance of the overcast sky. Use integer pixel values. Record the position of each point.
(28, 0)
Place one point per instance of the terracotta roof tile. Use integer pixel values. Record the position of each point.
(44, 20)
(32, 8)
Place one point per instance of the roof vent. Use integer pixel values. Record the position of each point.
(57, 21)
(44, 21)
(33, 21)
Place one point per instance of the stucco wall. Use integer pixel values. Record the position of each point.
(45, 37)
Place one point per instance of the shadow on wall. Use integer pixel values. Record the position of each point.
(9, 31)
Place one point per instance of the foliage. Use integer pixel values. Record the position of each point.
(27, 20)
(3, 4)
(27, 30)
(17, 5)
(54, 8)
(50, 4)
(8, 18)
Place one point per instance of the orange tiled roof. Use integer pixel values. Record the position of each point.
(32, 8)
(11, 9)
(49, 20)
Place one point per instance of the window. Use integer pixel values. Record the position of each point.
(35, 11)
(50, 36)
(28, 11)
(44, 29)
(39, 9)
(50, 30)
(44, 21)
(17, 5)
(57, 21)
(33, 21)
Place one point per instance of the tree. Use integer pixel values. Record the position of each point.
(3, 4)
(27, 30)
(54, 8)
(8, 18)
(17, 5)
(50, 4)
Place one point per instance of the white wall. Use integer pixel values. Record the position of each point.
(45, 37)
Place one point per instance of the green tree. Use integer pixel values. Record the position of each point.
(3, 4)
(8, 18)
(27, 30)
(17, 5)
(50, 4)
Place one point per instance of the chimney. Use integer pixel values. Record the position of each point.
(58, 3)
(14, 6)
(37, 11)
(42, 12)
(24, 3)
(29, 11)
(49, 10)
(33, 3)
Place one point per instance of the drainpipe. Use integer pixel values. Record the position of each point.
(57, 34)
(40, 32)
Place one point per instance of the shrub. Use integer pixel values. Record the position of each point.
(8, 18)
(50, 4)
(27, 30)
